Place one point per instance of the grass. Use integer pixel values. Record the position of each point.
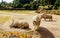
(5, 34)
(56, 12)
(18, 11)
(3, 19)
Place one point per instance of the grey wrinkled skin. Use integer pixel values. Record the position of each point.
(47, 16)
(20, 25)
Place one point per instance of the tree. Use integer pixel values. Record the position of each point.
(34, 5)
(26, 6)
(25, 1)
(56, 4)
(3, 4)
(16, 3)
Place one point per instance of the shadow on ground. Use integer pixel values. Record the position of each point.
(45, 33)
(49, 21)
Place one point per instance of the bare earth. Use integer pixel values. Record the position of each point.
(48, 29)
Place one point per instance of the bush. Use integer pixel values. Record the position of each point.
(26, 6)
(57, 4)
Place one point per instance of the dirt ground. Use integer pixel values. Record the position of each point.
(48, 29)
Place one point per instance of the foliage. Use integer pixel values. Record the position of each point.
(4, 34)
(16, 4)
(29, 4)
(57, 4)
(26, 6)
